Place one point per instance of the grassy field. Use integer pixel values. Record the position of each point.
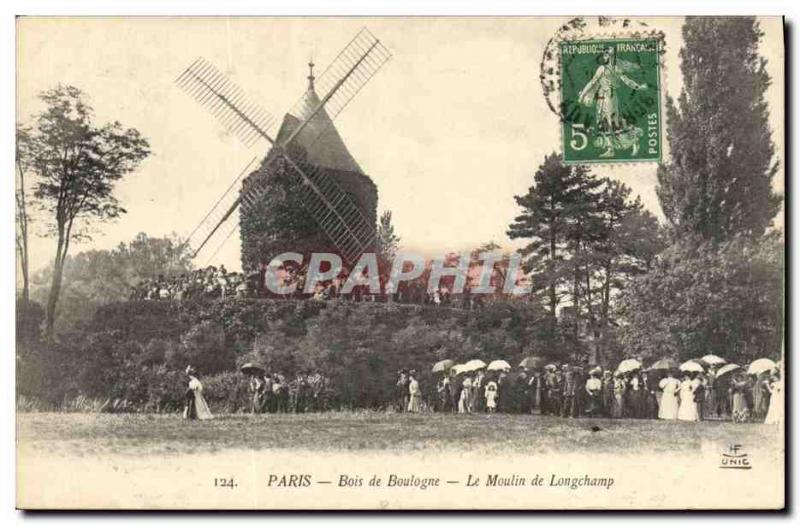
(91, 434)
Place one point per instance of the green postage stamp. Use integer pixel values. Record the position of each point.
(611, 100)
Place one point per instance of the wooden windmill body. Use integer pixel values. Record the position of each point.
(279, 222)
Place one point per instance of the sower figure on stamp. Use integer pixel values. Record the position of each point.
(602, 92)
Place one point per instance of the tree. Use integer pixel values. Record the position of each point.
(719, 181)
(547, 220)
(93, 278)
(388, 241)
(588, 238)
(624, 245)
(700, 299)
(719, 287)
(23, 159)
(77, 165)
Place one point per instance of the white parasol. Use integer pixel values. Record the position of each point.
(499, 364)
(691, 366)
(629, 365)
(759, 366)
(712, 359)
(730, 367)
(473, 365)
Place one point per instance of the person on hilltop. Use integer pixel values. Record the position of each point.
(196, 406)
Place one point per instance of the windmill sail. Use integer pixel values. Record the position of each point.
(235, 110)
(330, 206)
(215, 221)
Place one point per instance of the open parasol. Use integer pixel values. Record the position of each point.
(499, 364)
(473, 365)
(252, 369)
(759, 366)
(531, 362)
(629, 365)
(691, 366)
(664, 364)
(443, 365)
(730, 367)
(713, 360)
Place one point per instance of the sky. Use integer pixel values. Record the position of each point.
(451, 128)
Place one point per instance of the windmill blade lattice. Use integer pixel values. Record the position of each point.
(215, 221)
(335, 212)
(236, 110)
(349, 72)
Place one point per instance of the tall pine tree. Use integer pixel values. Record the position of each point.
(557, 215)
(718, 183)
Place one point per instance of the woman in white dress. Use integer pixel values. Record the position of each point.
(670, 386)
(688, 409)
(196, 406)
(413, 394)
(775, 411)
(465, 401)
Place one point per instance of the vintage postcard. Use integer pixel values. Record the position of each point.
(400, 263)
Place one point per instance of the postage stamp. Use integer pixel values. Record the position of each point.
(610, 100)
(415, 305)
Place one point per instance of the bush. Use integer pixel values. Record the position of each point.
(30, 316)
(227, 392)
(135, 353)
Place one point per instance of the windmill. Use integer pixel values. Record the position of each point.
(331, 207)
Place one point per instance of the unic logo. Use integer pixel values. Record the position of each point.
(735, 459)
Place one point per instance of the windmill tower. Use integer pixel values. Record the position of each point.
(322, 200)
(278, 222)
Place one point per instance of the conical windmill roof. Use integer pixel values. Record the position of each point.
(323, 144)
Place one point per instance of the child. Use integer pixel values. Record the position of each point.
(491, 396)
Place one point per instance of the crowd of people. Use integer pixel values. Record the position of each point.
(217, 283)
(562, 391)
(210, 282)
(274, 392)
(569, 391)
